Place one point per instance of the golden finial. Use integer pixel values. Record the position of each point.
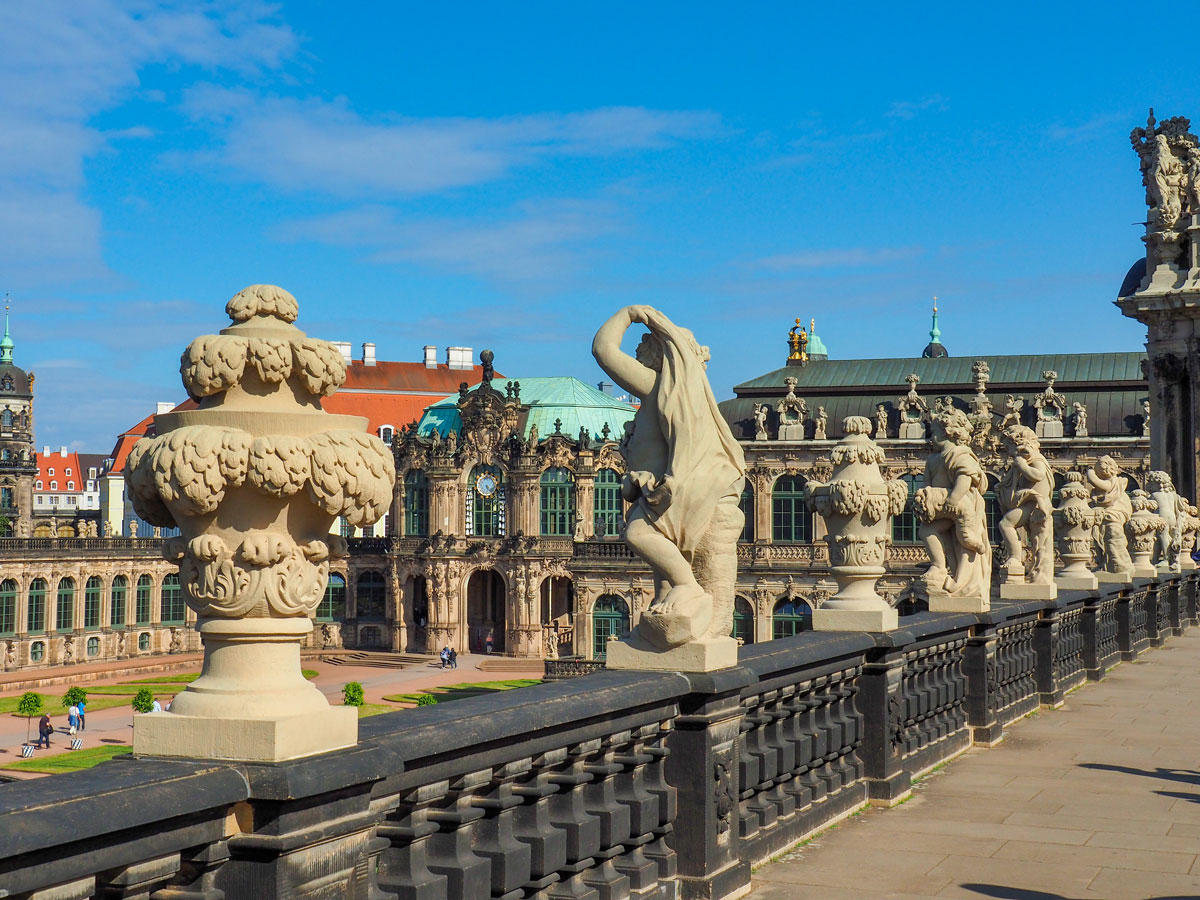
(935, 304)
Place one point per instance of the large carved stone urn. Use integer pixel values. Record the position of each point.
(1143, 528)
(857, 504)
(1073, 523)
(254, 479)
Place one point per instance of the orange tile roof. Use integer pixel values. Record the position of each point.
(60, 464)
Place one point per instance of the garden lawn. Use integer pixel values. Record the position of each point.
(53, 704)
(71, 761)
(449, 692)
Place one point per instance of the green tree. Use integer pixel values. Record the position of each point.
(352, 694)
(143, 700)
(31, 704)
(426, 700)
(74, 695)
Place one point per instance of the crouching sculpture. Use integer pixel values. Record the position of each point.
(685, 477)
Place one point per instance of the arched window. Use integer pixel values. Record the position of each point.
(93, 590)
(7, 498)
(416, 503)
(420, 601)
(371, 596)
(790, 617)
(558, 502)
(791, 522)
(117, 598)
(8, 606)
(37, 651)
(144, 641)
(905, 525)
(145, 587)
(332, 607)
(6, 419)
(743, 620)
(171, 604)
(485, 502)
(607, 503)
(746, 505)
(35, 616)
(64, 609)
(93, 646)
(386, 433)
(991, 511)
(610, 616)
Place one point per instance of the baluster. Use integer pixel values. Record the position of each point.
(197, 875)
(451, 848)
(138, 881)
(783, 753)
(633, 863)
(748, 768)
(601, 798)
(804, 739)
(404, 868)
(568, 811)
(531, 821)
(511, 860)
(659, 851)
(765, 758)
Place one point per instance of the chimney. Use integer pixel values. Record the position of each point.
(368, 354)
(605, 387)
(430, 356)
(459, 358)
(62, 451)
(344, 347)
(45, 450)
(163, 406)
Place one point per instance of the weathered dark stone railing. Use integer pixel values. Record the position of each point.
(13, 545)
(609, 785)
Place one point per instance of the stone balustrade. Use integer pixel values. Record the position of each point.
(613, 784)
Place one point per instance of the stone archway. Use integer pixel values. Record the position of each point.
(557, 595)
(486, 601)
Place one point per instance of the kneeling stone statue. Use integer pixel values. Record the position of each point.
(685, 477)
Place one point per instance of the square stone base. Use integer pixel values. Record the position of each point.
(855, 620)
(1020, 590)
(1114, 577)
(1146, 571)
(1187, 564)
(1076, 582)
(697, 656)
(246, 740)
(948, 604)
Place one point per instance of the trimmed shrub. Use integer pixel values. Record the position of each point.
(143, 700)
(426, 700)
(352, 694)
(74, 695)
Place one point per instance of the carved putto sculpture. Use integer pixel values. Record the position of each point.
(1012, 411)
(254, 479)
(1143, 527)
(1024, 494)
(684, 481)
(820, 425)
(1113, 510)
(1051, 408)
(1081, 428)
(1173, 510)
(792, 413)
(951, 511)
(1187, 540)
(760, 422)
(1073, 521)
(1145, 418)
(857, 505)
(881, 421)
(913, 410)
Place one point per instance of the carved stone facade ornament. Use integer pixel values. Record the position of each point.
(913, 412)
(1113, 510)
(1073, 522)
(793, 412)
(686, 473)
(1173, 510)
(1051, 408)
(857, 505)
(951, 510)
(253, 479)
(1024, 495)
(1081, 429)
(760, 422)
(821, 425)
(1187, 539)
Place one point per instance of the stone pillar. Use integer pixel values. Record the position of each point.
(703, 766)
(880, 701)
(254, 479)
(979, 663)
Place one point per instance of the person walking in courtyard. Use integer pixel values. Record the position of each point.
(156, 706)
(45, 729)
(73, 719)
(453, 657)
(445, 655)
(80, 709)
(488, 644)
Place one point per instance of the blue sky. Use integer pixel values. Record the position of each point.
(506, 175)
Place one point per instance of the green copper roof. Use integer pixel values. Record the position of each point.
(816, 346)
(576, 404)
(6, 343)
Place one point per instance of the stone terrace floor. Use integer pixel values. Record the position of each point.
(1098, 799)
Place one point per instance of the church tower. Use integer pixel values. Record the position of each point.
(1162, 291)
(18, 465)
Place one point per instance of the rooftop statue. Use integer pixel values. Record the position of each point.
(686, 473)
(1024, 493)
(1113, 511)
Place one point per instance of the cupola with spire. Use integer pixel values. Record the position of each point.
(816, 346)
(935, 349)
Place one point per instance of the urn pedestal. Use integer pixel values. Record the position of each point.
(253, 479)
(857, 505)
(1073, 523)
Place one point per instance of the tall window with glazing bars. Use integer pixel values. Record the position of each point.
(416, 503)
(558, 502)
(485, 502)
(905, 526)
(607, 503)
(790, 520)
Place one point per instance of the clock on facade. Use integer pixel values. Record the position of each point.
(485, 484)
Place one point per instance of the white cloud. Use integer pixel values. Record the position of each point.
(838, 258)
(910, 109)
(61, 63)
(325, 146)
(538, 243)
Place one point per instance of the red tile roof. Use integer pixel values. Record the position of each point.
(60, 464)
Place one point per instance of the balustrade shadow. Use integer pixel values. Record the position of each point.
(1007, 893)
(606, 786)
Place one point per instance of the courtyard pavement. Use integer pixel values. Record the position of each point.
(1097, 800)
(115, 725)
